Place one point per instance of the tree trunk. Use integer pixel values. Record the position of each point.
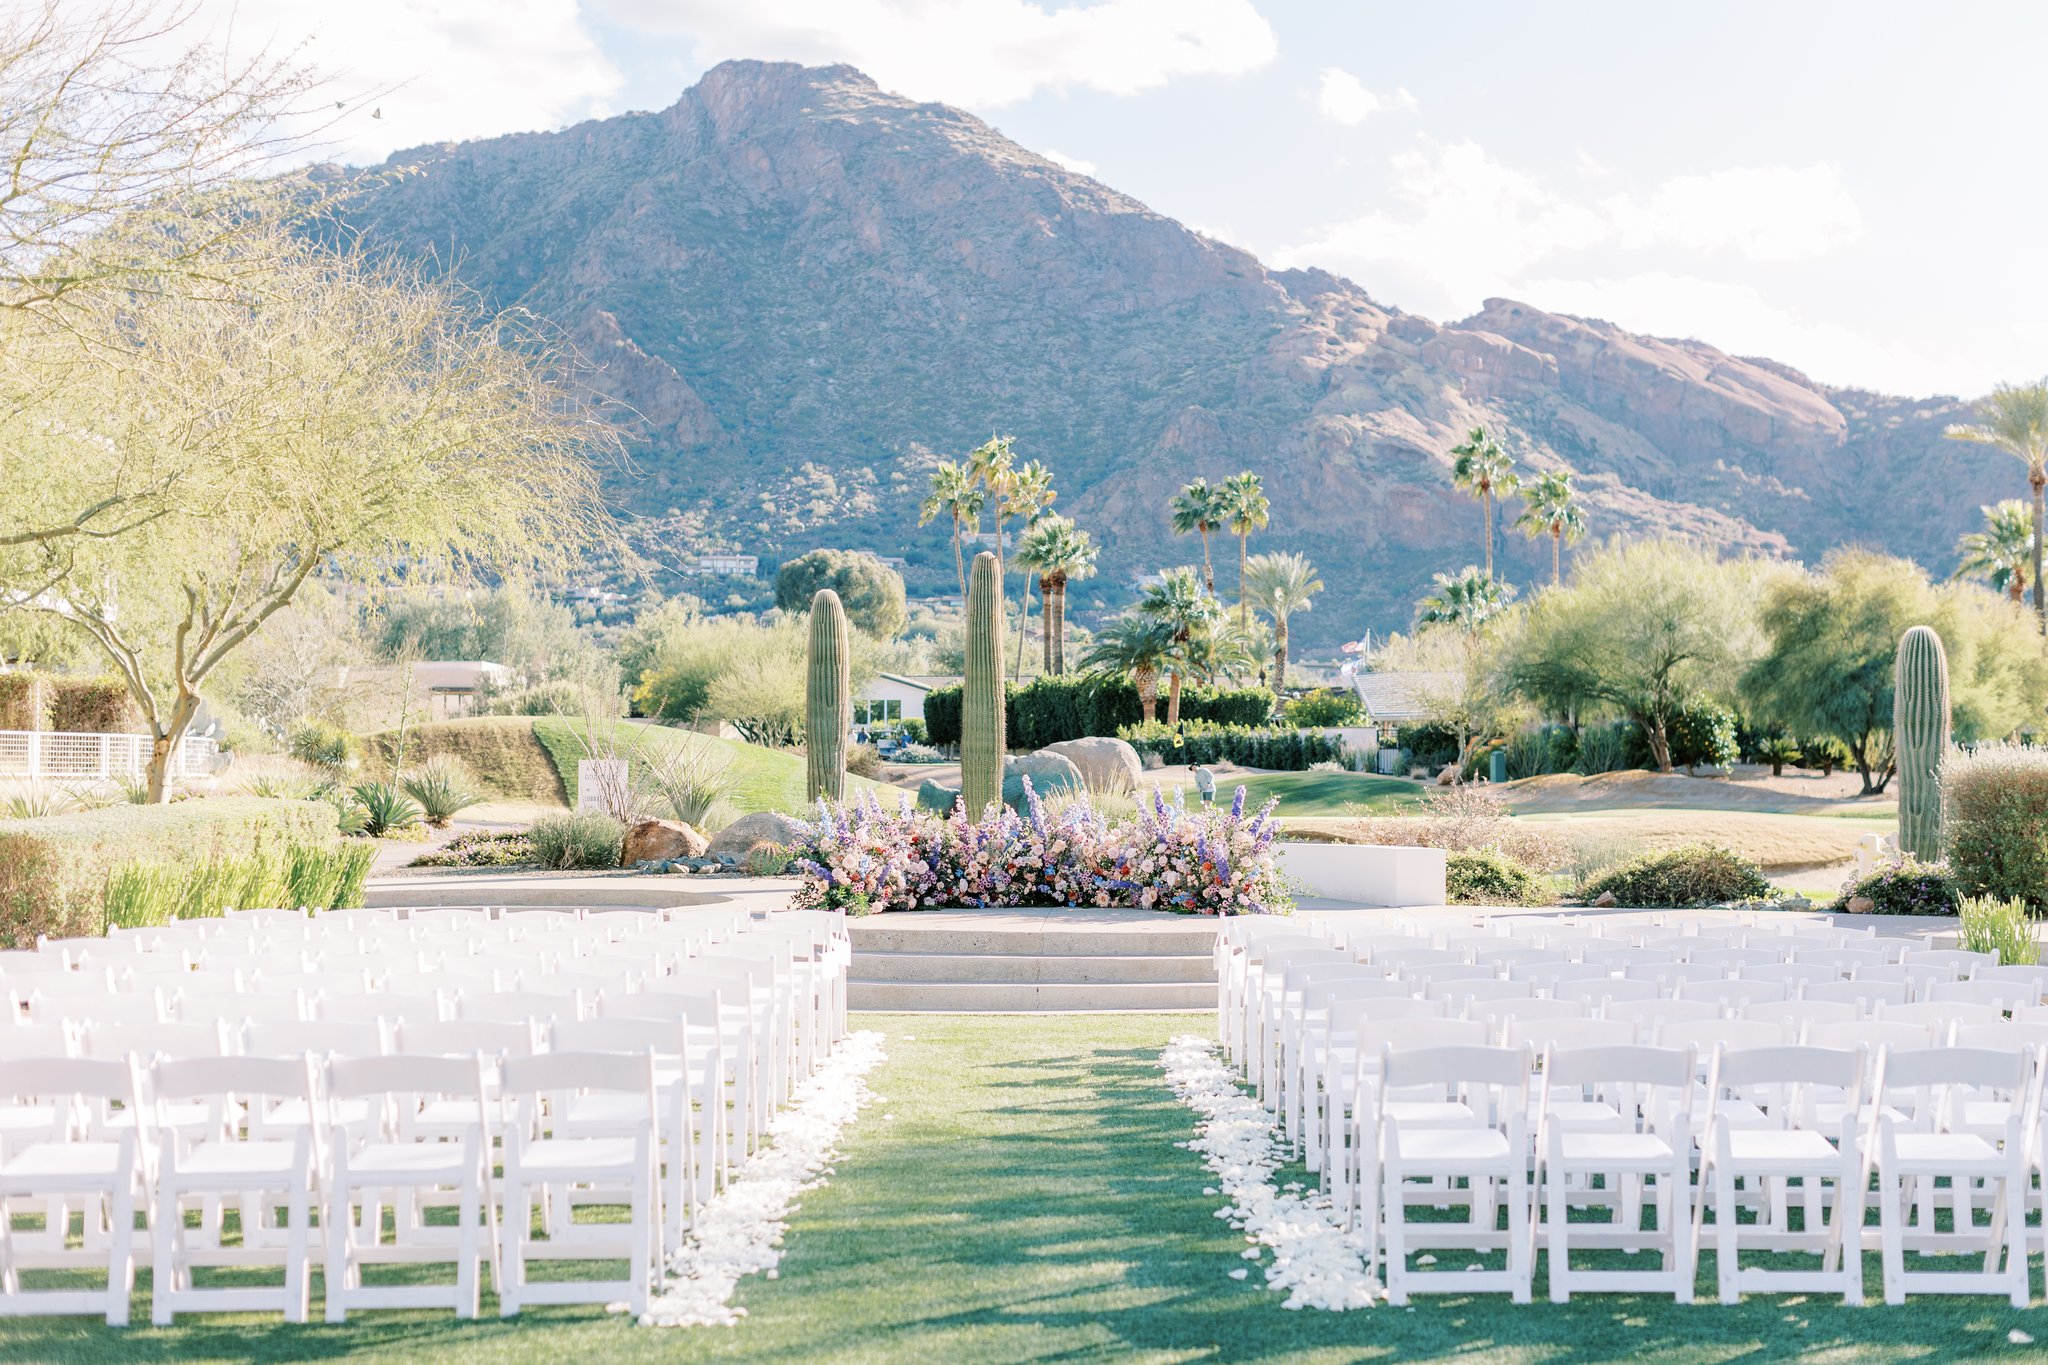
(1660, 741)
(1146, 680)
(1058, 627)
(1046, 660)
(1173, 699)
(1279, 654)
(2037, 479)
(1023, 619)
(2016, 587)
(960, 561)
(1556, 558)
(1209, 569)
(1243, 548)
(1486, 525)
(165, 740)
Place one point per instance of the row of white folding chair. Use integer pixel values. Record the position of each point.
(1466, 1139)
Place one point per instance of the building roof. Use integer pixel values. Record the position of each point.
(1397, 697)
(923, 682)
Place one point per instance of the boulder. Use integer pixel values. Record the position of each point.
(1447, 776)
(1106, 763)
(1049, 773)
(661, 840)
(762, 826)
(1605, 899)
(936, 797)
(1860, 905)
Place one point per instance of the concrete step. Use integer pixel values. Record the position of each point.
(1027, 997)
(893, 935)
(869, 965)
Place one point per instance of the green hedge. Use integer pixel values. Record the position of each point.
(1206, 742)
(1997, 822)
(54, 870)
(1048, 710)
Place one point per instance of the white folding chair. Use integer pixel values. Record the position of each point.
(538, 1162)
(231, 1165)
(380, 1007)
(55, 1168)
(1648, 1015)
(1651, 1091)
(1491, 1155)
(443, 1168)
(1865, 994)
(1954, 1076)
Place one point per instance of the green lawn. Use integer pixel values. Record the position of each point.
(768, 779)
(1324, 793)
(1016, 1195)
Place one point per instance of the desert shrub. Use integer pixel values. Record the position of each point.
(1906, 887)
(289, 786)
(1996, 799)
(481, 848)
(687, 780)
(1465, 818)
(914, 731)
(34, 800)
(918, 753)
(1612, 747)
(24, 705)
(1208, 742)
(1490, 878)
(581, 839)
(442, 788)
(1430, 746)
(2001, 925)
(1323, 708)
(1823, 754)
(324, 745)
(386, 809)
(54, 870)
(1540, 750)
(863, 760)
(1702, 734)
(544, 699)
(767, 859)
(91, 706)
(1677, 878)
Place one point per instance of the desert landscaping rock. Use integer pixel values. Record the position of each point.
(1049, 772)
(1106, 763)
(661, 841)
(762, 826)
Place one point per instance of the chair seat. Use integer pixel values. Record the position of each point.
(405, 1158)
(442, 1115)
(1944, 1151)
(610, 1111)
(57, 1161)
(574, 1156)
(1450, 1146)
(1575, 1113)
(292, 1113)
(1623, 1149)
(1431, 1113)
(1792, 1146)
(26, 1118)
(179, 1114)
(256, 1157)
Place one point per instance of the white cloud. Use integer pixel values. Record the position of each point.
(1073, 163)
(1463, 226)
(982, 54)
(1343, 98)
(1737, 318)
(436, 70)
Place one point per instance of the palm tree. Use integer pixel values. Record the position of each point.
(1061, 552)
(1245, 509)
(1485, 471)
(1280, 585)
(2001, 550)
(1031, 493)
(1197, 508)
(1467, 600)
(992, 465)
(957, 495)
(2015, 420)
(1550, 506)
(1134, 646)
(1181, 602)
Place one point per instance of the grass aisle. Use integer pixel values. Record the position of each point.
(1015, 1194)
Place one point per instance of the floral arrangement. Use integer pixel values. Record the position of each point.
(1203, 860)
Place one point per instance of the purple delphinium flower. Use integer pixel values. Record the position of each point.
(1237, 805)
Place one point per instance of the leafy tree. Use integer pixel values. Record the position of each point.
(1550, 507)
(327, 415)
(1136, 646)
(870, 590)
(1480, 467)
(1325, 707)
(1245, 510)
(1197, 510)
(2014, 419)
(2002, 550)
(1060, 552)
(1191, 615)
(1466, 600)
(1281, 585)
(1639, 629)
(1832, 641)
(535, 638)
(956, 496)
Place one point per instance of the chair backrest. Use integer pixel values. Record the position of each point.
(702, 1007)
(368, 1009)
(1519, 955)
(517, 1007)
(1317, 995)
(1703, 1038)
(54, 1006)
(1940, 1014)
(1865, 994)
(2010, 1035)
(1999, 994)
(1799, 1014)
(2034, 979)
(202, 1005)
(49, 1077)
(666, 1038)
(1621, 956)
(193, 1077)
(404, 1074)
(1872, 1033)
(1933, 1084)
(1458, 1066)
(1732, 958)
(1538, 1035)
(1675, 973)
(1546, 976)
(1742, 1067)
(1462, 993)
(613, 1072)
(1962, 960)
(1646, 1015)
(1495, 1013)
(1621, 1064)
(1842, 960)
(58, 1039)
(149, 1041)
(1731, 994)
(588, 985)
(1375, 1034)
(461, 1037)
(1608, 988)
(325, 1037)
(1789, 973)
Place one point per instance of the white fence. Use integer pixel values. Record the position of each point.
(37, 754)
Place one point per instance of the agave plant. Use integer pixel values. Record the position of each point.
(385, 808)
(34, 800)
(442, 788)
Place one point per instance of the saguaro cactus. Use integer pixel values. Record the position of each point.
(981, 701)
(828, 700)
(1920, 727)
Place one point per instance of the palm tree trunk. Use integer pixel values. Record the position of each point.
(1243, 542)
(959, 560)
(1279, 654)
(1173, 699)
(2016, 587)
(1146, 680)
(1023, 618)
(1556, 558)
(1056, 626)
(2038, 479)
(1209, 570)
(1486, 520)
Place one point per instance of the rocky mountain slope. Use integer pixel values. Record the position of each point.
(809, 290)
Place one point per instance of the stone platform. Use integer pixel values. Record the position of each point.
(1032, 960)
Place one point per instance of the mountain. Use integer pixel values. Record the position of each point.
(809, 290)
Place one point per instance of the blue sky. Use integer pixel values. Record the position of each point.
(1854, 189)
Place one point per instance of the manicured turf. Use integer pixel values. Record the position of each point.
(1016, 1195)
(767, 779)
(1321, 793)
